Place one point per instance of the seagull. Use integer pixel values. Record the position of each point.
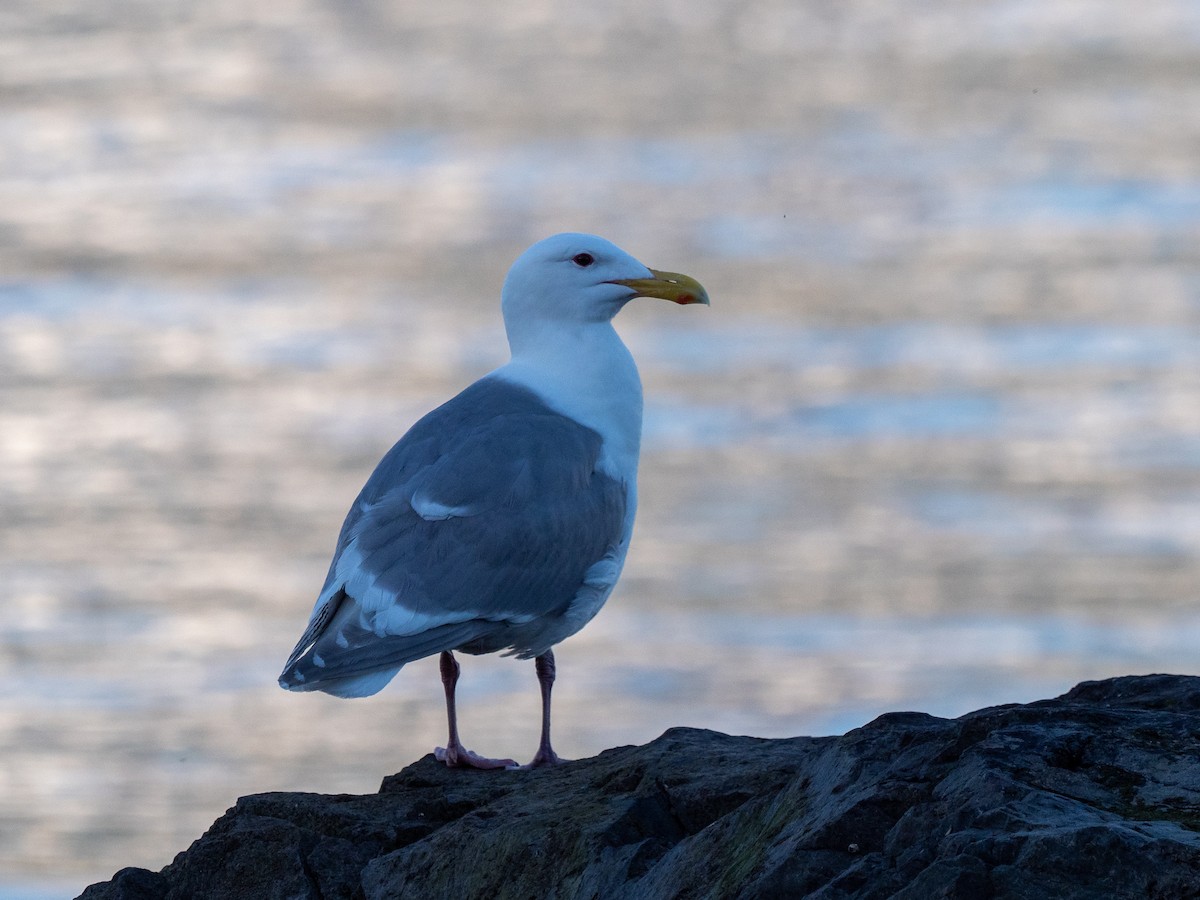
(502, 519)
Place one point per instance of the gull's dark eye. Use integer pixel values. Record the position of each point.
(583, 260)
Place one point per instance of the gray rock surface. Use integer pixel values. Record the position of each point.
(1093, 794)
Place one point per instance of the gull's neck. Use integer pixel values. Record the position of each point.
(584, 370)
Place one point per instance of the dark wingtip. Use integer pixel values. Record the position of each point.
(291, 680)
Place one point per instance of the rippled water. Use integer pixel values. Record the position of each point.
(935, 446)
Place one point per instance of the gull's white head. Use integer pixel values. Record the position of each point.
(581, 278)
(559, 300)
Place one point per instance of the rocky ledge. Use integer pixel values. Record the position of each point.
(1093, 794)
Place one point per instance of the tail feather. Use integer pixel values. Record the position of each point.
(324, 666)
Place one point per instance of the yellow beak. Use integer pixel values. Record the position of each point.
(671, 286)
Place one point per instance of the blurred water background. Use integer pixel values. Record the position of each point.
(935, 446)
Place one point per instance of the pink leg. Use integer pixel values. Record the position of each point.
(544, 666)
(454, 754)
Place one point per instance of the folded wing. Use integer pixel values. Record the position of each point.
(476, 531)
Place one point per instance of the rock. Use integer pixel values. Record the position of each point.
(1093, 794)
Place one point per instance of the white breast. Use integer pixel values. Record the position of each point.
(589, 375)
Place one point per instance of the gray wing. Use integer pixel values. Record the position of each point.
(486, 515)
